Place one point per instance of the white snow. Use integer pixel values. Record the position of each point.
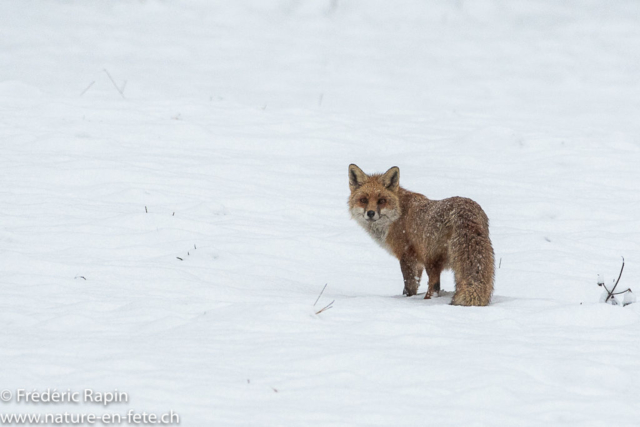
(629, 298)
(236, 127)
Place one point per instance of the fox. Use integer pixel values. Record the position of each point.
(425, 234)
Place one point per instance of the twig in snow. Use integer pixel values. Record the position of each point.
(179, 258)
(88, 87)
(321, 292)
(120, 91)
(616, 284)
(499, 265)
(629, 297)
(330, 305)
(145, 210)
(82, 277)
(621, 292)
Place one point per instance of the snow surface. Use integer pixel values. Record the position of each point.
(234, 132)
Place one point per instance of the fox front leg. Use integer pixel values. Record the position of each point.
(411, 272)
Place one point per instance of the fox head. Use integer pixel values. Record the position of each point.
(374, 198)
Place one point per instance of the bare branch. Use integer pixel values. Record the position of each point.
(115, 85)
(611, 293)
(88, 87)
(330, 305)
(321, 292)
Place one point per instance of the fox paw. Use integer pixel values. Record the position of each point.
(434, 294)
(408, 292)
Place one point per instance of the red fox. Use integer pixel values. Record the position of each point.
(426, 234)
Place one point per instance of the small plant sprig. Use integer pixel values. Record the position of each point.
(609, 296)
(328, 306)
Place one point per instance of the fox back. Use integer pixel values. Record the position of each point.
(425, 234)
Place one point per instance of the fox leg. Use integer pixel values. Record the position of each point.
(433, 271)
(412, 273)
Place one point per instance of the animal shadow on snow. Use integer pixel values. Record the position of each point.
(445, 298)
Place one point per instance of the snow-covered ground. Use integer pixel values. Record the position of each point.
(171, 242)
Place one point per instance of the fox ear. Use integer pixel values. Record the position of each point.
(391, 178)
(356, 177)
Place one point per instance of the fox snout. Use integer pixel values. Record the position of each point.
(371, 215)
(365, 214)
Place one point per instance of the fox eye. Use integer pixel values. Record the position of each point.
(382, 201)
(363, 200)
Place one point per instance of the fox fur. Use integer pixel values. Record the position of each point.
(425, 234)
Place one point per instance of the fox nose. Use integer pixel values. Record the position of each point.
(371, 214)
